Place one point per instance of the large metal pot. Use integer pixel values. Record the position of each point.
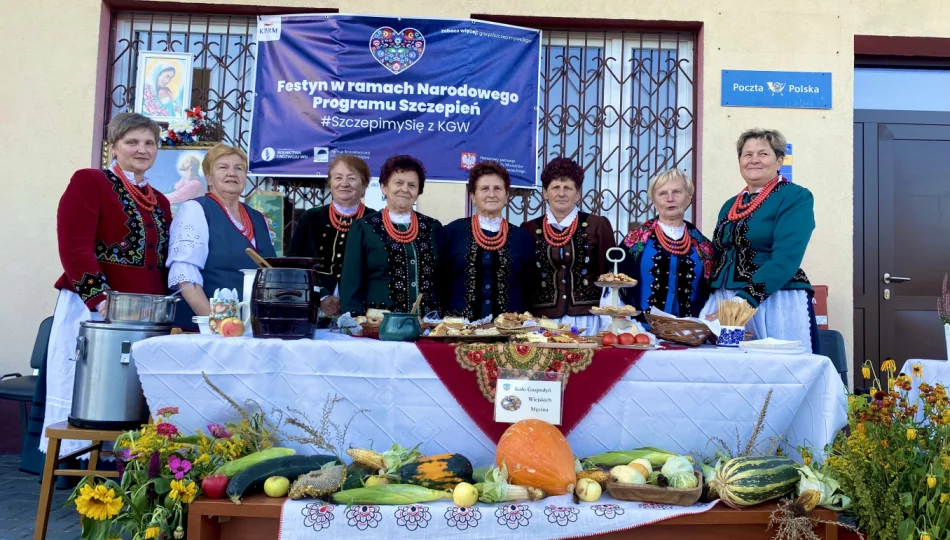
(107, 393)
(140, 308)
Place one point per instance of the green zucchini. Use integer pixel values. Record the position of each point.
(231, 468)
(355, 474)
(251, 480)
(747, 481)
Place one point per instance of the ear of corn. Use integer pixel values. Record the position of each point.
(390, 494)
(655, 456)
(366, 458)
(597, 475)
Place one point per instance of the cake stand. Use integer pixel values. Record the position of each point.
(619, 323)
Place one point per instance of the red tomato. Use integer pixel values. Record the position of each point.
(609, 339)
(641, 339)
(215, 486)
(627, 339)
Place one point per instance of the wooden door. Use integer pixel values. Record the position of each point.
(902, 234)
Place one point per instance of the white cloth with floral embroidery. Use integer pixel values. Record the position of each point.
(554, 517)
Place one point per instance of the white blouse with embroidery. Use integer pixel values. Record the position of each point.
(188, 244)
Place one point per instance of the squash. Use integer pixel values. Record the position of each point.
(442, 471)
(537, 455)
(356, 474)
(747, 481)
(251, 479)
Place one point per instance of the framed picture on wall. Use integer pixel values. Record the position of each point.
(176, 173)
(271, 204)
(163, 85)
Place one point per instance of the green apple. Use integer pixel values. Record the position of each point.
(276, 486)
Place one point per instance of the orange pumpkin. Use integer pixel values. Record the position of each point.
(537, 455)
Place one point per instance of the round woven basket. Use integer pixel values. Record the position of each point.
(689, 333)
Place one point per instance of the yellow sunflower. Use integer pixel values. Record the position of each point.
(889, 365)
(183, 491)
(944, 497)
(917, 370)
(931, 482)
(98, 502)
(152, 532)
(866, 372)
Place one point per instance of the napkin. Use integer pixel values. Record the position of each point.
(771, 343)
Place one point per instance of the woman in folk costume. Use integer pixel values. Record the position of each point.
(668, 256)
(391, 255)
(211, 234)
(760, 241)
(321, 232)
(112, 229)
(570, 250)
(486, 267)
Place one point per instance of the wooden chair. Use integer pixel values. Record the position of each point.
(56, 434)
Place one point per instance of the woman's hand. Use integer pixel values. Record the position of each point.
(330, 306)
(102, 308)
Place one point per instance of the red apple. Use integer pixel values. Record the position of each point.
(215, 485)
(641, 339)
(231, 327)
(626, 339)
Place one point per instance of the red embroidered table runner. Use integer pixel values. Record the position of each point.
(469, 372)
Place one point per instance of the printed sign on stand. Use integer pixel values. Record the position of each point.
(523, 394)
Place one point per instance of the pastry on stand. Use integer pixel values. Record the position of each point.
(616, 281)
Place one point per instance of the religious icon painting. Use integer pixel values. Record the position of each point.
(163, 85)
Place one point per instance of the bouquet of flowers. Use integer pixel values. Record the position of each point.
(187, 131)
(894, 460)
(160, 474)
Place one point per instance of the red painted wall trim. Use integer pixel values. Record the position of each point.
(902, 46)
(102, 64)
(698, 92)
(226, 9)
(570, 23)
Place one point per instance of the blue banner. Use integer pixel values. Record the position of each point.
(450, 92)
(785, 89)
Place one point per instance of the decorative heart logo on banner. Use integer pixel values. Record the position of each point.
(397, 51)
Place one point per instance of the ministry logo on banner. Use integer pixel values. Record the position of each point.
(452, 93)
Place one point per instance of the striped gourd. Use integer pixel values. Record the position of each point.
(747, 481)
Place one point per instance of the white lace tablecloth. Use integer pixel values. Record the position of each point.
(553, 517)
(675, 400)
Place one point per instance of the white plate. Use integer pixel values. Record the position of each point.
(640, 347)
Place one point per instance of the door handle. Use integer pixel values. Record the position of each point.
(894, 279)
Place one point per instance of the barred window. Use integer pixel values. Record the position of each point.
(619, 103)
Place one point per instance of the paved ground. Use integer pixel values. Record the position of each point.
(19, 493)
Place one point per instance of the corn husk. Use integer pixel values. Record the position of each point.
(390, 494)
(655, 456)
(496, 488)
(830, 493)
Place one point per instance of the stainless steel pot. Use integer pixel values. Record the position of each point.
(140, 308)
(107, 393)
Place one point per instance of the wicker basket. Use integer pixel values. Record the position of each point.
(689, 333)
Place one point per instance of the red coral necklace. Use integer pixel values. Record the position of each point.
(402, 237)
(558, 239)
(489, 243)
(246, 228)
(676, 247)
(742, 210)
(340, 221)
(144, 197)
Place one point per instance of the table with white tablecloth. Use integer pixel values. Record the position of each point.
(672, 399)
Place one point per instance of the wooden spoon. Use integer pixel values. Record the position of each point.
(415, 306)
(257, 258)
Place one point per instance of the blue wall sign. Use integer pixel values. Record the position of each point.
(786, 171)
(784, 89)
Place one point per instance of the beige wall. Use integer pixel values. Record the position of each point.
(48, 113)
